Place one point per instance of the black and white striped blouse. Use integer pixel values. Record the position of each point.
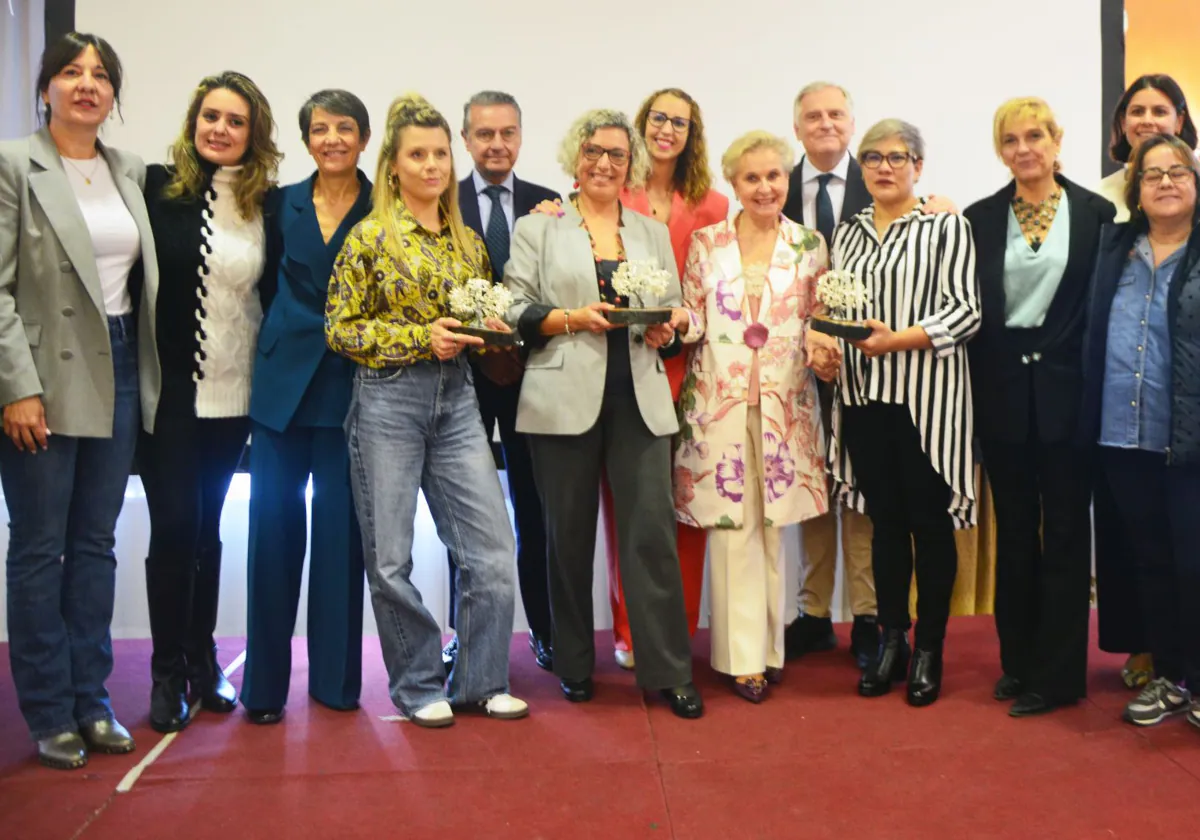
(923, 273)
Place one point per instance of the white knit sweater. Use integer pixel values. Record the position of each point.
(228, 307)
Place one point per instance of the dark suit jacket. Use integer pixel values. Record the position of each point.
(856, 200)
(292, 356)
(1009, 365)
(526, 196)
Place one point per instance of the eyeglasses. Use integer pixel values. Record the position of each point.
(873, 160)
(616, 157)
(658, 118)
(1179, 174)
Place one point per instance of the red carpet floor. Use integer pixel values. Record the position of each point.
(814, 761)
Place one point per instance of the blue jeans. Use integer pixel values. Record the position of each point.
(417, 428)
(63, 505)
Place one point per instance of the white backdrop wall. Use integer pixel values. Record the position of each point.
(942, 64)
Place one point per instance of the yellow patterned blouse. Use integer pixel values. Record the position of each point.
(380, 310)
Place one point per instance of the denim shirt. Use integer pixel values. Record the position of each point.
(1136, 407)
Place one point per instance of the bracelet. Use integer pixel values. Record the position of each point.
(567, 322)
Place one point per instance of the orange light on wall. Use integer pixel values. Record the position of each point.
(1160, 37)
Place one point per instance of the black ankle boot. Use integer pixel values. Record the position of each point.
(169, 711)
(889, 665)
(925, 678)
(208, 685)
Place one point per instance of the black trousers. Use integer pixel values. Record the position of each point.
(1118, 609)
(908, 502)
(186, 467)
(1042, 493)
(498, 407)
(638, 466)
(1160, 508)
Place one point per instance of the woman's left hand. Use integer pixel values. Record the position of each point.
(824, 354)
(880, 341)
(659, 335)
(680, 320)
(938, 204)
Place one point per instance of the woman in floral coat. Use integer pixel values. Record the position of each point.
(751, 454)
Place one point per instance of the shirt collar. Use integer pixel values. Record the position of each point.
(481, 184)
(408, 222)
(841, 171)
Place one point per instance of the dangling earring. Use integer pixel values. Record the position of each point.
(575, 186)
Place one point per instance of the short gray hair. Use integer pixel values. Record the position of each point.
(752, 141)
(591, 122)
(485, 98)
(817, 87)
(906, 131)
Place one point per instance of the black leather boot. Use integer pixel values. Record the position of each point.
(207, 682)
(169, 710)
(168, 596)
(925, 678)
(864, 640)
(889, 665)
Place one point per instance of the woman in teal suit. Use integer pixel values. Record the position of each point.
(299, 399)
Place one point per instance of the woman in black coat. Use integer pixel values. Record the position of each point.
(1036, 243)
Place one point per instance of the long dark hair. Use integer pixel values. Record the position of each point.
(1118, 146)
(62, 52)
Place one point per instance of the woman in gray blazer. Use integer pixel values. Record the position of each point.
(595, 400)
(77, 291)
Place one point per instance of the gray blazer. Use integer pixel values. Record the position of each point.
(53, 326)
(550, 262)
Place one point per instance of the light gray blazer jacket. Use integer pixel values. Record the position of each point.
(550, 262)
(53, 326)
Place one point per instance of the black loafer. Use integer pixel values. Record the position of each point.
(684, 700)
(65, 751)
(543, 651)
(1007, 688)
(264, 717)
(578, 691)
(1031, 703)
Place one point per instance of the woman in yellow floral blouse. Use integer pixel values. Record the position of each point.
(414, 424)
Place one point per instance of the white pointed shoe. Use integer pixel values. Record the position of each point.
(434, 716)
(624, 658)
(506, 707)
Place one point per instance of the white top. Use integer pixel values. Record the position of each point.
(485, 201)
(116, 244)
(1113, 188)
(836, 188)
(228, 307)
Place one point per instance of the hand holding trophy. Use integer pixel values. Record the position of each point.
(481, 305)
(638, 281)
(841, 293)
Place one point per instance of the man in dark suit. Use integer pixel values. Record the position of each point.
(491, 199)
(827, 188)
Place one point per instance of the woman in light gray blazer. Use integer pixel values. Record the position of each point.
(595, 399)
(77, 290)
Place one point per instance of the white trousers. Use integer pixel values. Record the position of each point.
(746, 587)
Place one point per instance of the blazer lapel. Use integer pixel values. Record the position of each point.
(991, 236)
(856, 197)
(729, 259)
(578, 259)
(49, 183)
(1081, 248)
(468, 204)
(523, 202)
(306, 244)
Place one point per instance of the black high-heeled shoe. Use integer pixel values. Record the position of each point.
(889, 665)
(925, 678)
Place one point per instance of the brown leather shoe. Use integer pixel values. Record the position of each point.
(107, 736)
(65, 751)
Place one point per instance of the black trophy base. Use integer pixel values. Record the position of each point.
(849, 330)
(495, 338)
(629, 317)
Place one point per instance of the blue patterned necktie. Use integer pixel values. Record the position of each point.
(496, 236)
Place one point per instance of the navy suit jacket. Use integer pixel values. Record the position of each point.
(526, 196)
(292, 356)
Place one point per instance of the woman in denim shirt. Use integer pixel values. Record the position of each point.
(1142, 405)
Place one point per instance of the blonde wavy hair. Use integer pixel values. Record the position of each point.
(260, 164)
(406, 111)
(588, 124)
(693, 178)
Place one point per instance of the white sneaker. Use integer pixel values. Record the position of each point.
(1158, 701)
(624, 658)
(506, 707)
(434, 716)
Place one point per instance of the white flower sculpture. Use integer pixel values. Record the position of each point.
(477, 300)
(639, 280)
(841, 292)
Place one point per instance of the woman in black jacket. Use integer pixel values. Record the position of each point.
(1036, 243)
(1142, 405)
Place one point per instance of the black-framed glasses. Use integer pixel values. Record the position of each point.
(616, 157)
(896, 160)
(1179, 174)
(658, 119)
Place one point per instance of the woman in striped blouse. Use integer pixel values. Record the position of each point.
(904, 416)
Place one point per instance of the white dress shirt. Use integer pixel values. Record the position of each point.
(837, 189)
(485, 201)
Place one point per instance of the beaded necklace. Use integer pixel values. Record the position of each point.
(1035, 219)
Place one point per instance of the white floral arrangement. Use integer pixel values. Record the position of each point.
(841, 292)
(640, 280)
(477, 300)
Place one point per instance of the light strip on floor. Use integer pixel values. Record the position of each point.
(126, 784)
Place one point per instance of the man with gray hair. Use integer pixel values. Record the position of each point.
(827, 188)
(491, 200)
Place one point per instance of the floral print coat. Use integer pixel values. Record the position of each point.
(709, 467)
